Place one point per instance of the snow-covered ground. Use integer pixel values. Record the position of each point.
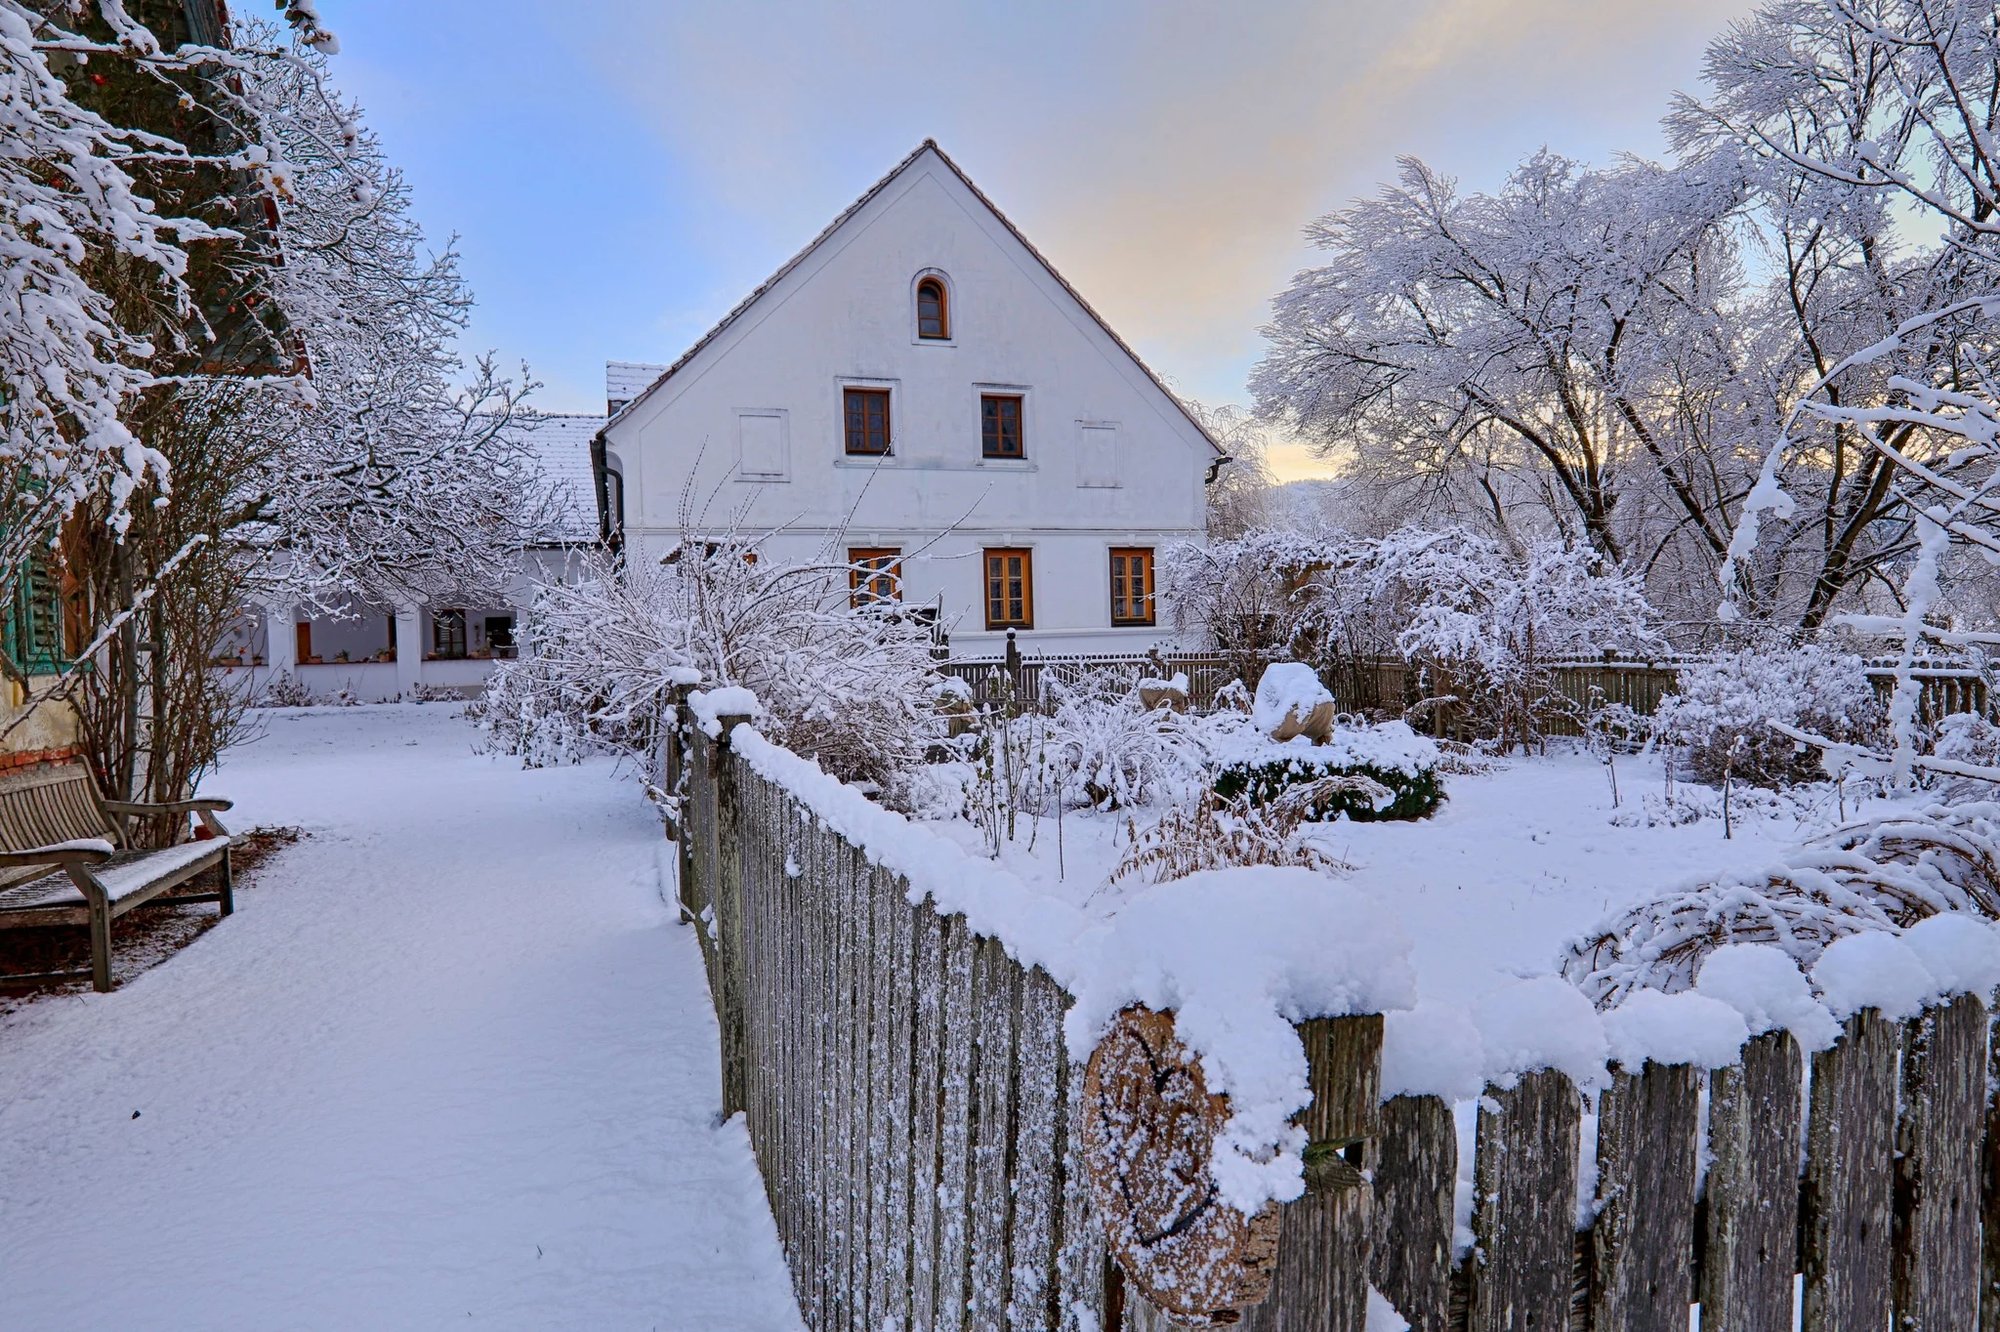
(452, 1063)
(1517, 861)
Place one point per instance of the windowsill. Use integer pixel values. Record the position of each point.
(936, 464)
(933, 342)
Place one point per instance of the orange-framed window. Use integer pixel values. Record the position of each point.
(874, 575)
(1000, 425)
(867, 413)
(933, 309)
(1131, 585)
(1010, 588)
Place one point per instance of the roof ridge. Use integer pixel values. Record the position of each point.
(928, 145)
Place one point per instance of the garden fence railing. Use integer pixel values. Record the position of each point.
(915, 1118)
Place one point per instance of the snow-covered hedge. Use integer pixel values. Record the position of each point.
(1391, 754)
(1719, 715)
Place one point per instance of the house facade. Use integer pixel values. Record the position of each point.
(379, 653)
(919, 394)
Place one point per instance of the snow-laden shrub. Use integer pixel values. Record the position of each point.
(1970, 742)
(1107, 750)
(1489, 623)
(1719, 715)
(603, 658)
(1398, 763)
(1885, 874)
(1205, 831)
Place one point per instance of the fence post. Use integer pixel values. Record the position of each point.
(1322, 1274)
(726, 914)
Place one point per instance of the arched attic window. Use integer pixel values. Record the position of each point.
(933, 309)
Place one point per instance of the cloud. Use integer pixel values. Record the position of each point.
(1164, 155)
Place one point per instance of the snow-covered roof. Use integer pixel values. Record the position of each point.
(562, 443)
(626, 380)
(927, 146)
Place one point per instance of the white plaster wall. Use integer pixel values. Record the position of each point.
(845, 316)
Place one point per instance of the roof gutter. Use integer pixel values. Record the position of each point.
(1214, 468)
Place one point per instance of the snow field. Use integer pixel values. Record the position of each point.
(451, 1063)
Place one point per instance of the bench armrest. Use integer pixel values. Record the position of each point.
(88, 851)
(142, 808)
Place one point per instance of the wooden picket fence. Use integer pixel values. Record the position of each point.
(915, 1118)
(1392, 685)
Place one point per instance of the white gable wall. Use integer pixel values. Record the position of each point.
(755, 417)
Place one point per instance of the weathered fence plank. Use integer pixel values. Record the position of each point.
(1321, 1282)
(1414, 1164)
(1080, 1263)
(1751, 1225)
(1845, 1204)
(955, 1070)
(852, 1007)
(1524, 1204)
(896, 989)
(1989, 1205)
(926, 1101)
(1642, 1243)
(1037, 1138)
(1937, 1188)
(995, 987)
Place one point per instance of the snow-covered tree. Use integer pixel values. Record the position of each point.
(396, 480)
(1557, 353)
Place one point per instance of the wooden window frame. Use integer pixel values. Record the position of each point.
(1125, 555)
(943, 304)
(987, 575)
(995, 448)
(848, 392)
(862, 575)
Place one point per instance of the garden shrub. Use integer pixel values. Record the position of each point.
(1718, 715)
(1391, 754)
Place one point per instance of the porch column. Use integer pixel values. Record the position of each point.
(409, 647)
(281, 643)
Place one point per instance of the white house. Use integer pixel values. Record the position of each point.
(919, 391)
(378, 653)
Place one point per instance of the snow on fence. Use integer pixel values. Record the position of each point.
(917, 1116)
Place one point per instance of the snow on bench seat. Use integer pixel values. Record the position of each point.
(126, 873)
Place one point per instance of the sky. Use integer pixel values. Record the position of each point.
(619, 173)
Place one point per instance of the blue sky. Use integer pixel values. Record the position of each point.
(620, 173)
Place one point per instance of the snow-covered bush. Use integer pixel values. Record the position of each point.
(1720, 713)
(1107, 750)
(1885, 874)
(1489, 623)
(602, 660)
(1206, 831)
(1400, 764)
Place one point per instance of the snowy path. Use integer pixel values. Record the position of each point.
(451, 1064)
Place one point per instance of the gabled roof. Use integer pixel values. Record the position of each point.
(561, 442)
(927, 146)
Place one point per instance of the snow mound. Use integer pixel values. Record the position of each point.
(1432, 1050)
(1543, 1022)
(1287, 691)
(1961, 953)
(1873, 970)
(710, 706)
(1684, 1028)
(1240, 955)
(1767, 988)
(1382, 1315)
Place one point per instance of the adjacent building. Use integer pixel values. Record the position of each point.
(920, 395)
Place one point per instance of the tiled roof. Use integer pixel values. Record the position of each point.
(626, 380)
(562, 442)
(927, 146)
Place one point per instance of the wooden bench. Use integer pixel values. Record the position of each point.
(65, 858)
